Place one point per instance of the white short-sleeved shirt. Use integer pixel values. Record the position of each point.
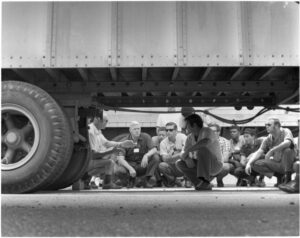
(167, 147)
(97, 140)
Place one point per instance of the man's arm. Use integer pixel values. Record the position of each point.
(283, 145)
(127, 166)
(256, 156)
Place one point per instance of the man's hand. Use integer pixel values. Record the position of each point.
(269, 154)
(132, 172)
(144, 162)
(248, 169)
(190, 163)
(127, 144)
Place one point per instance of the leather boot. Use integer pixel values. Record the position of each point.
(108, 184)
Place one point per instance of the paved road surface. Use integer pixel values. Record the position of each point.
(176, 212)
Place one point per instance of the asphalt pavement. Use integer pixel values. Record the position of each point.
(228, 211)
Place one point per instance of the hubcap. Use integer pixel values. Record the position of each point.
(20, 136)
(12, 138)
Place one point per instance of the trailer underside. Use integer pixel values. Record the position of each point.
(177, 86)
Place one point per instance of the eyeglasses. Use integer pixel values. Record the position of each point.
(268, 124)
(169, 130)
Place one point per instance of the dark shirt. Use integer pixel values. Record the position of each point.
(144, 144)
(248, 149)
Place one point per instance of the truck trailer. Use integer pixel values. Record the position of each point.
(65, 61)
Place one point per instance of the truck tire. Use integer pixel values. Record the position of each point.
(36, 138)
(75, 169)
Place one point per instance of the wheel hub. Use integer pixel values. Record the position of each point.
(13, 138)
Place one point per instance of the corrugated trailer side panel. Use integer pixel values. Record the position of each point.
(149, 34)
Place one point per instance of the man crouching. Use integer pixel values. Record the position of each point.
(201, 158)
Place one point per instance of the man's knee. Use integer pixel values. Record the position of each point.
(163, 166)
(238, 172)
(180, 164)
(155, 158)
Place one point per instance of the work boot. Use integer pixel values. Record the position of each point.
(108, 184)
(203, 185)
(290, 187)
(279, 179)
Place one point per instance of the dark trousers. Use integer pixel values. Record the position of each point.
(207, 166)
(226, 169)
(268, 167)
(150, 170)
(169, 171)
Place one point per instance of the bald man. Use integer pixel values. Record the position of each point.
(142, 159)
(102, 150)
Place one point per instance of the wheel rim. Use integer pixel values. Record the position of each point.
(20, 136)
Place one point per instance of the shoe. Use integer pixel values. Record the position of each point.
(159, 184)
(131, 182)
(111, 186)
(147, 185)
(244, 183)
(220, 184)
(261, 183)
(238, 183)
(93, 185)
(203, 185)
(86, 186)
(290, 187)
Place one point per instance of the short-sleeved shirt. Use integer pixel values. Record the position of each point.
(168, 147)
(270, 142)
(224, 146)
(97, 140)
(248, 149)
(144, 144)
(236, 146)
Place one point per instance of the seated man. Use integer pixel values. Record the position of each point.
(225, 151)
(101, 151)
(251, 145)
(279, 152)
(201, 158)
(142, 159)
(170, 150)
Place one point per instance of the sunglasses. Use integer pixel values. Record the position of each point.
(268, 124)
(169, 130)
